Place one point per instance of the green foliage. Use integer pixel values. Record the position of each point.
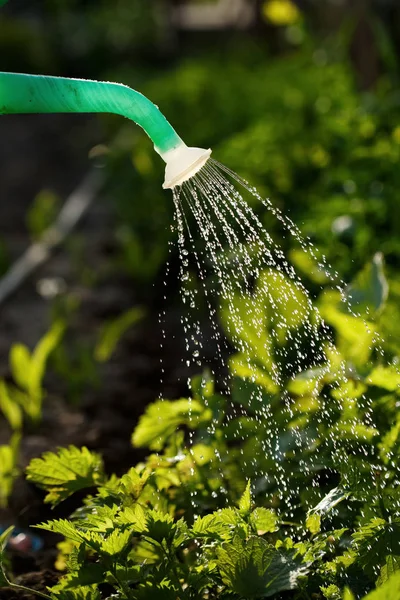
(162, 418)
(64, 473)
(24, 398)
(9, 470)
(252, 568)
(114, 330)
(28, 370)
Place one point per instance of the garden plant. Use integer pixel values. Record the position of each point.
(272, 469)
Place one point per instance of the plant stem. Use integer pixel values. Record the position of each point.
(30, 590)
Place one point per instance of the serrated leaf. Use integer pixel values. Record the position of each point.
(264, 520)
(374, 542)
(331, 592)
(160, 526)
(58, 592)
(64, 528)
(116, 543)
(132, 482)
(182, 534)
(157, 591)
(162, 419)
(134, 517)
(86, 575)
(66, 472)
(209, 526)
(392, 564)
(313, 523)
(245, 500)
(253, 568)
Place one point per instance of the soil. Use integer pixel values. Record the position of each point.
(103, 413)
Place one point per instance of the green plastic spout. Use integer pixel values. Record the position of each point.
(24, 94)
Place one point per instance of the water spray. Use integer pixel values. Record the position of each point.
(26, 94)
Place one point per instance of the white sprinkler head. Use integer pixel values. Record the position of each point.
(182, 163)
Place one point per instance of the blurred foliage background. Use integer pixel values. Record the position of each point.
(300, 97)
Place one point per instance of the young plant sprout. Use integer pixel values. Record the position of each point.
(24, 94)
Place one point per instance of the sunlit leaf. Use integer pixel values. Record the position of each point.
(66, 472)
(10, 408)
(245, 500)
(113, 331)
(162, 418)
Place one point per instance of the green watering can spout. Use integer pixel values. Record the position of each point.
(24, 94)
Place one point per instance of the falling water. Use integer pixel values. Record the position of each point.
(269, 317)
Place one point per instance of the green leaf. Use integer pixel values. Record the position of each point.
(208, 526)
(385, 377)
(132, 482)
(368, 293)
(4, 537)
(163, 418)
(245, 501)
(253, 568)
(354, 336)
(390, 443)
(134, 517)
(113, 332)
(392, 564)
(10, 407)
(202, 454)
(390, 590)
(64, 528)
(313, 523)
(374, 542)
(333, 498)
(40, 356)
(331, 592)
(85, 575)
(8, 468)
(157, 591)
(66, 472)
(116, 543)
(82, 593)
(20, 363)
(348, 594)
(264, 520)
(160, 526)
(220, 525)
(239, 367)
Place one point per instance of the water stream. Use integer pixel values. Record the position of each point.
(272, 335)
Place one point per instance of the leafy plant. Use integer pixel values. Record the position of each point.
(24, 397)
(28, 370)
